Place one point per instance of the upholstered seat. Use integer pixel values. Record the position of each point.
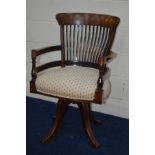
(73, 82)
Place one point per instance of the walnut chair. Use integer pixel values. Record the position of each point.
(81, 75)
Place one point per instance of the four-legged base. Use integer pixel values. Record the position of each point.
(85, 109)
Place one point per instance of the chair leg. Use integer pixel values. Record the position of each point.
(60, 111)
(85, 112)
(92, 119)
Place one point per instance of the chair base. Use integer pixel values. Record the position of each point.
(85, 109)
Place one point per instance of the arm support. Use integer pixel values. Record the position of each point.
(102, 74)
(35, 70)
(37, 52)
(102, 71)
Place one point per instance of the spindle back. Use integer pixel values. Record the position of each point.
(85, 37)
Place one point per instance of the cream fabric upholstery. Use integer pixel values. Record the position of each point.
(72, 82)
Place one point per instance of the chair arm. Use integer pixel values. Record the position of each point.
(103, 68)
(102, 75)
(37, 52)
(102, 71)
(110, 56)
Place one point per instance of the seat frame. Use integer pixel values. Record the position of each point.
(84, 105)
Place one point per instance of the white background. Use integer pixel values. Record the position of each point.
(13, 77)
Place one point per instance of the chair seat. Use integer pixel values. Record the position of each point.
(73, 82)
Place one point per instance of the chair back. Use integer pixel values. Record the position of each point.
(85, 37)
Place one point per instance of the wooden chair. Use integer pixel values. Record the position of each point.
(82, 75)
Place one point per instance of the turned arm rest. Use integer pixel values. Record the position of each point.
(103, 68)
(102, 72)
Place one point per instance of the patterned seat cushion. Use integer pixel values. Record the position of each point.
(72, 82)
